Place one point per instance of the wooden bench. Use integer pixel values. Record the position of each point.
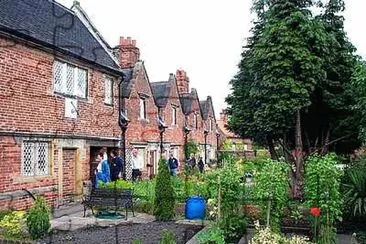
(110, 198)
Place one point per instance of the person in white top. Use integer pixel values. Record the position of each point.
(136, 165)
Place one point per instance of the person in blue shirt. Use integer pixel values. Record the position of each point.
(103, 171)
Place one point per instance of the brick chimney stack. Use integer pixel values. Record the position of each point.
(182, 81)
(127, 52)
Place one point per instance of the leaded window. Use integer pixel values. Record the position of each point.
(35, 160)
(69, 79)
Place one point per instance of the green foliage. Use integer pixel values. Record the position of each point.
(354, 188)
(164, 193)
(295, 62)
(232, 222)
(145, 190)
(361, 237)
(190, 147)
(272, 190)
(12, 224)
(168, 237)
(119, 184)
(358, 89)
(322, 189)
(213, 235)
(38, 219)
(144, 207)
(137, 241)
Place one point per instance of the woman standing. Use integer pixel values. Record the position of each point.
(103, 171)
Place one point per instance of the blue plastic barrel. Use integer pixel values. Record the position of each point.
(195, 208)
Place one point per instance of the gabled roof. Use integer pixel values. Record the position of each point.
(126, 85)
(129, 79)
(161, 92)
(52, 25)
(205, 108)
(186, 100)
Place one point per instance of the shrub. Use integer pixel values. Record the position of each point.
(168, 237)
(213, 235)
(38, 219)
(12, 224)
(164, 194)
(322, 193)
(272, 190)
(119, 184)
(144, 207)
(232, 221)
(354, 188)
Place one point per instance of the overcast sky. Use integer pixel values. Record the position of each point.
(203, 37)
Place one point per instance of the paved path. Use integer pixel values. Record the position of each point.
(71, 218)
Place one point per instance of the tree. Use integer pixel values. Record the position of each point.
(290, 90)
(164, 194)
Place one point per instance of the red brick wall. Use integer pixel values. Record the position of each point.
(174, 133)
(10, 180)
(141, 130)
(28, 102)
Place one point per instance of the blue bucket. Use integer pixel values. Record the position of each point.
(195, 208)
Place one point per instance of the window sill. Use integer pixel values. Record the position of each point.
(144, 120)
(71, 96)
(32, 179)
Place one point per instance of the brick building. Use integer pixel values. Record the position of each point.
(58, 107)
(166, 95)
(230, 142)
(140, 108)
(209, 121)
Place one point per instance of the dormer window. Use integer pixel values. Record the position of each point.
(143, 108)
(174, 116)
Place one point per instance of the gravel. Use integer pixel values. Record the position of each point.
(125, 234)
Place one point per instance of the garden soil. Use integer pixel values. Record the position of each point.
(125, 234)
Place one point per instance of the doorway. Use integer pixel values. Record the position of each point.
(152, 164)
(68, 175)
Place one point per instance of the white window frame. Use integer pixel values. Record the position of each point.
(35, 159)
(62, 87)
(174, 115)
(108, 91)
(143, 114)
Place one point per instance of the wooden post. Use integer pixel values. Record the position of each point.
(219, 199)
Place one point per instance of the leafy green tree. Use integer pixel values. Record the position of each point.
(291, 88)
(164, 194)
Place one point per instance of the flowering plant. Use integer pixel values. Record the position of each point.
(315, 211)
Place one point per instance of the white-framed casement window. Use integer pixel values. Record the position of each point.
(70, 80)
(143, 108)
(174, 116)
(195, 121)
(108, 91)
(35, 158)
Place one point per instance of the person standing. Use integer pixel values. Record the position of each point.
(102, 171)
(136, 165)
(173, 165)
(192, 161)
(200, 164)
(116, 165)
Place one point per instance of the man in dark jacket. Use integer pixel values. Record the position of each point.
(173, 165)
(116, 165)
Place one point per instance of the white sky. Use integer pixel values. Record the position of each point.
(203, 37)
